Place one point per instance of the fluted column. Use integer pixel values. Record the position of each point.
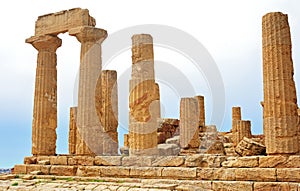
(88, 123)
(72, 130)
(201, 109)
(243, 129)
(236, 116)
(189, 125)
(45, 96)
(108, 110)
(144, 98)
(280, 102)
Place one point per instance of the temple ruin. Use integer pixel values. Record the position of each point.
(184, 151)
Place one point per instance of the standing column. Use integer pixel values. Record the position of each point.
(45, 96)
(236, 116)
(243, 129)
(280, 101)
(108, 110)
(72, 130)
(201, 109)
(189, 125)
(144, 98)
(88, 123)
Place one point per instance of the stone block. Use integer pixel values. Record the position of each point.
(61, 170)
(45, 169)
(137, 161)
(146, 172)
(19, 169)
(256, 174)
(58, 160)
(205, 173)
(168, 149)
(33, 167)
(114, 171)
(288, 174)
(169, 161)
(271, 161)
(242, 162)
(232, 186)
(44, 162)
(30, 160)
(81, 160)
(88, 171)
(108, 160)
(179, 172)
(280, 186)
(248, 147)
(227, 174)
(204, 160)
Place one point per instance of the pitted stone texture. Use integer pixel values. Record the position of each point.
(201, 108)
(167, 129)
(280, 100)
(45, 96)
(61, 22)
(242, 129)
(88, 123)
(189, 126)
(247, 147)
(241, 162)
(232, 186)
(204, 160)
(108, 160)
(168, 161)
(72, 130)
(168, 149)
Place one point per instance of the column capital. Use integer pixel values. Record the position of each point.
(45, 42)
(88, 34)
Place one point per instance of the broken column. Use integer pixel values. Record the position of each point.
(143, 99)
(236, 116)
(280, 101)
(242, 129)
(88, 123)
(45, 96)
(189, 126)
(201, 109)
(108, 110)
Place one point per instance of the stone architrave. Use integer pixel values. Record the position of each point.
(189, 126)
(107, 108)
(280, 116)
(88, 123)
(201, 109)
(144, 98)
(236, 115)
(243, 129)
(45, 96)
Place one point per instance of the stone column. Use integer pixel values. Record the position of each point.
(236, 116)
(201, 109)
(189, 126)
(45, 96)
(108, 111)
(88, 123)
(243, 129)
(72, 130)
(280, 101)
(144, 98)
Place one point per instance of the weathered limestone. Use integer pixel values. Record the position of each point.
(280, 102)
(242, 129)
(167, 129)
(45, 97)
(88, 123)
(201, 108)
(107, 108)
(248, 147)
(236, 115)
(72, 130)
(189, 126)
(143, 99)
(61, 22)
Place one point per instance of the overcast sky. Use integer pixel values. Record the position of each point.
(229, 30)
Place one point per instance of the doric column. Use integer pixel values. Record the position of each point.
(108, 110)
(280, 101)
(144, 98)
(45, 96)
(88, 123)
(72, 130)
(189, 125)
(243, 129)
(236, 116)
(201, 109)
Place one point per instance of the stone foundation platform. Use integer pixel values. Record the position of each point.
(213, 171)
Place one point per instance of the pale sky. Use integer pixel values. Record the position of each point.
(229, 30)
